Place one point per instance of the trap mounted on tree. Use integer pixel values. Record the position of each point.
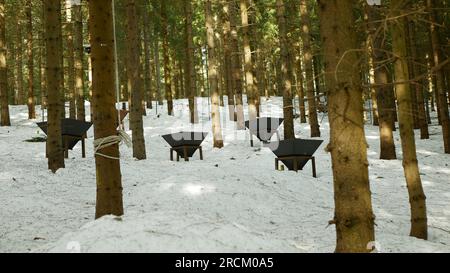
(263, 128)
(185, 144)
(295, 153)
(72, 132)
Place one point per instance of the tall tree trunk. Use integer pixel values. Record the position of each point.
(190, 79)
(354, 217)
(301, 90)
(70, 61)
(109, 179)
(158, 73)
(228, 59)
(213, 80)
(135, 81)
(30, 100)
(166, 55)
(147, 58)
(286, 73)
(5, 120)
(248, 64)
(62, 88)
(42, 68)
(79, 61)
(308, 59)
(440, 78)
(382, 88)
(237, 68)
(19, 63)
(410, 164)
(417, 86)
(55, 151)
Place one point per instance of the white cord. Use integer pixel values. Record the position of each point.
(102, 143)
(122, 136)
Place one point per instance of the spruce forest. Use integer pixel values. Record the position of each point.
(223, 126)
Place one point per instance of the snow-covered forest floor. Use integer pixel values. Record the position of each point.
(233, 201)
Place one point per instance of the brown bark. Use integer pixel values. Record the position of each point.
(166, 56)
(248, 64)
(410, 164)
(79, 62)
(308, 59)
(55, 150)
(440, 78)
(382, 80)
(228, 59)
(354, 217)
(4, 114)
(109, 180)
(213, 77)
(237, 68)
(30, 100)
(286, 72)
(135, 80)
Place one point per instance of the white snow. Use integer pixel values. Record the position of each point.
(233, 201)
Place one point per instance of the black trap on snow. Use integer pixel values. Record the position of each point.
(185, 144)
(263, 128)
(73, 131)
(295, 153)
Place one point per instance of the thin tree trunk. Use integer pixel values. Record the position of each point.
(236, 64)
(213, 80)
(354, 217)
(190, 79)
(30, 100)
(158, 73)
(135, 81)
(4, 103)
(286, 73)
(79, 61)
(228, 59)
(417, 86)
(70, 62)
(308, 59)
(109, 179)
(55, 150)
(381, 81)
(410, 164)
(147, 59)
(440, 78)
(166, 55)
(248, 64)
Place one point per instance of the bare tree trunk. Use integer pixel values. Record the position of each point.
(166, 54)
(79, 62)
(4, 104)
(109, 179)
(382, 88)
(248, 64)
(237, 68)
(70, 61)
(286, 73)
(213, 80)
(55, 150)
(308, 59)
(354, 217)
(148, 57)
(411, 167)
(135, 81)
(228, 59)
(190, 79)
(417, 86)
(30, 100)
(440, 78)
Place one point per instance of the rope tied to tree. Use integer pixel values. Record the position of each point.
(102, 143)
(122, 136)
